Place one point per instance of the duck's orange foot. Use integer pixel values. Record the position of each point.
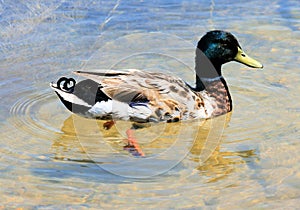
(107, 125)
(132, 146)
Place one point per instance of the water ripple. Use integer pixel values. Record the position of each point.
(33, 114)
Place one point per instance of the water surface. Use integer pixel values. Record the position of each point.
(52, 159)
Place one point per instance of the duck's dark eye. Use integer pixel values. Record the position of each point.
(66, 84)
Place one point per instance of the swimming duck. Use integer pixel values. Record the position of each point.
(142, 96)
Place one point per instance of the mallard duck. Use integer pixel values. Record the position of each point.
(142, 96)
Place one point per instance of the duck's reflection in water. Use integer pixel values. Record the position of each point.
(86, 140)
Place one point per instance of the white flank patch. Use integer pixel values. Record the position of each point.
(140, 112)
(120, 110)
(116, 109)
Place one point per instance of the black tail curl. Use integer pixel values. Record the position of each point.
(66, 84)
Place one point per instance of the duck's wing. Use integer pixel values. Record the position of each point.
(166, 96)
(135, 85)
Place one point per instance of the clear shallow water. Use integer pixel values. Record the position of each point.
(52, 159)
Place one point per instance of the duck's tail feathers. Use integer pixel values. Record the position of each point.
(72, 102)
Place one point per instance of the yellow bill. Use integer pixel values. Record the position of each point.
(242, 57)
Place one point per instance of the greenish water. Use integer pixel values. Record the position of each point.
(51, 159)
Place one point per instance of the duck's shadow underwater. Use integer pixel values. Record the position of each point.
(154, 139)
(165, 145)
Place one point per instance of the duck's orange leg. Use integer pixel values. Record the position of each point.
(108, 124)
(132, 146)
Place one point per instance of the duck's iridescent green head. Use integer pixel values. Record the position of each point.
(221, 47)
